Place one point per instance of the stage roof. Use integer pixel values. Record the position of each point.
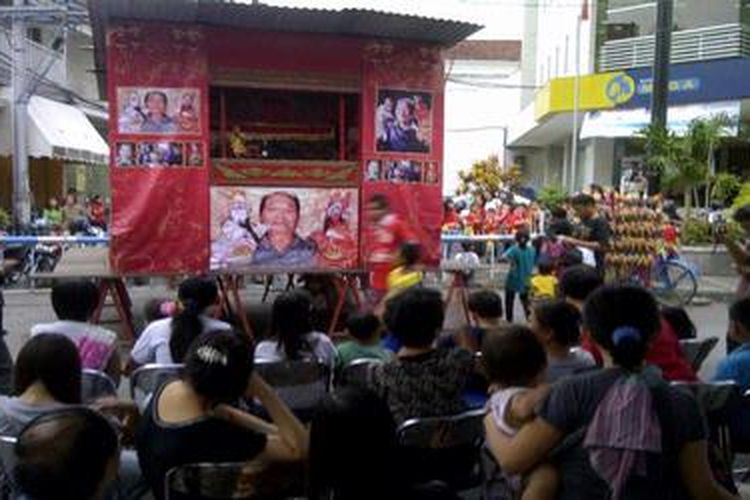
(347, 22)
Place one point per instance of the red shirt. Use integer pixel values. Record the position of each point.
(384, 241)
(665, 352)
(98, 213)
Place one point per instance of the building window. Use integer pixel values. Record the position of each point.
(634, 18)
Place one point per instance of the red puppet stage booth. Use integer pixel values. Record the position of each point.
(248, 138)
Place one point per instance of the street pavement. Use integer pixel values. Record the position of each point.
(25, 308)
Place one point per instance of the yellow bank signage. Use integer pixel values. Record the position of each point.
(596, 92)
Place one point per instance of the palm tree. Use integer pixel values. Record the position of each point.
(685, 163)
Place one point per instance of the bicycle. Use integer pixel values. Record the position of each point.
(673, 281)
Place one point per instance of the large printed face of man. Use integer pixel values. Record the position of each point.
(280, 215)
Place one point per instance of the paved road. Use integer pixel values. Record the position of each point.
(27, 307)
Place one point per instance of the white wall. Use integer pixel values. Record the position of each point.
(476, 113)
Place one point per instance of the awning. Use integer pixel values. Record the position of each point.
(61, 131)
(628, 122)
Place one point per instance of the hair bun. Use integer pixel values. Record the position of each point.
(624, 333)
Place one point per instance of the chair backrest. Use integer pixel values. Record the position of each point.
(445, 449)
(204, 480)
(697, 350)
(147, 379)
(96, 385)
(358, 371)
(300, 384)
(7, 463)
(465, 429)
(719, 402)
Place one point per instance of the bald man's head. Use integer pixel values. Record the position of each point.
(66, 455)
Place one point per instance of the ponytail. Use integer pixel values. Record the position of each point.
(290, 323)
(196, 295)
(622, 319)
(186, 327)
(628, 348)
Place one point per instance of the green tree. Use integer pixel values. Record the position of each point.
(487, 178)
(685, 162)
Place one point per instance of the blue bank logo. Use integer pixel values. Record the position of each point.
(620, 89)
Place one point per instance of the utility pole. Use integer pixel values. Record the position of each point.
(63, 14)
(662, 53)
(21, 190)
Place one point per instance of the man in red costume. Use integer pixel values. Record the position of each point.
(386, 233)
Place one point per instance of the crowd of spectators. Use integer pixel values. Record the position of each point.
(577, 399)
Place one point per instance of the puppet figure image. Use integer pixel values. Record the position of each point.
(238, 238)
(131, 117)
(187, 118)
(337, 242)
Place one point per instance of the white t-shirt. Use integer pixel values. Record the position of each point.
(95, 344)
(323, 349)
(153, 344)
(498, 407)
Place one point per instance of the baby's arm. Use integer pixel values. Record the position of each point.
(522, 407)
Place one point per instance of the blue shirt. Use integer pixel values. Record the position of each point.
(736, 367)
(521, 267)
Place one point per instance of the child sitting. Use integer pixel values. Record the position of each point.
(514, 362)
(544, 283)
(365, 330)
(408, 273)
(556, 324)
(486, 313)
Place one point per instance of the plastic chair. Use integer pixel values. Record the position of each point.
(221, 480)
(358, 371)
(203, 480)
(697, 350)
(96, 385)
(300, 384)
(720, 402)
(7, 463)
(445, 449)
(147, 379)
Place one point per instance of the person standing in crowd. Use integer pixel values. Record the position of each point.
(386, 233)
(53, 215)
(408, 273)
(521, 257)
(593, 233)
(664, 460)
(97, 213)
(74, 215)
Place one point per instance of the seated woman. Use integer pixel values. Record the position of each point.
(47, 377)
(189, 420)
(292, 335)
(167, 340)
(423, 381)
(625, 433)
